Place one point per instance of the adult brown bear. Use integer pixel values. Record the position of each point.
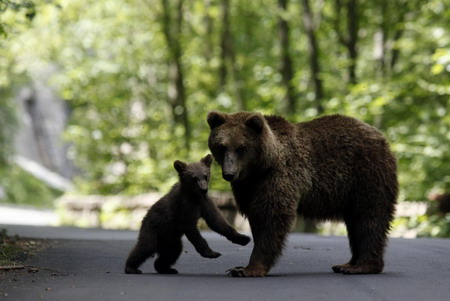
(331, 168)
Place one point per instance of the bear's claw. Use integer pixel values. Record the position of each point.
(339, 267)
(246, 272)
(236, 272)
(348, 269)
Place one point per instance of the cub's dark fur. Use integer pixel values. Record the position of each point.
(176, 214)
(330, 168)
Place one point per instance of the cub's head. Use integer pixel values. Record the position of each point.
(239, 142)
(194, 176)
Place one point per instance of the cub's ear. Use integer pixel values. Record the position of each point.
(215, 119)
(180, 166)
(207, 160)
(255, 122)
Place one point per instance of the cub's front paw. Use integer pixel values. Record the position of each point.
(210, 254)
(241, 239)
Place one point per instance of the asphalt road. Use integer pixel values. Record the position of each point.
(89, 266)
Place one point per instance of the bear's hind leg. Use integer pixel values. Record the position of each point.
(367, 242)
(339, 268)
(168, 255)
(370, 209)
(140, 253)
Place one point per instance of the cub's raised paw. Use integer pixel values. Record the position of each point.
(210, 254)
(241, 240)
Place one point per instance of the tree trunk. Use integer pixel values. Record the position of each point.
(225, 42)
(395, 50)
(40, 134)
(228, 58)
(176, 90)
(287, 74)
(399, 29)
(353, 26)
(313, 55)
(350, 40)
(385, 39)
(209, 24)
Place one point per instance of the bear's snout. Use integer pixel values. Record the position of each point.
(228, 176)
(230, 170)
(203, 186)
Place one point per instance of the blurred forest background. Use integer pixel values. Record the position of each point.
(133, 80)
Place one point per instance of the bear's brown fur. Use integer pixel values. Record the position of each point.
(177, 214)
(331, 168)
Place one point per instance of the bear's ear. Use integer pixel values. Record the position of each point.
(215, 119)
(207, 160)
(180, 166)
(255, 122)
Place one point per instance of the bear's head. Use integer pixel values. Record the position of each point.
(240, 143)
(194, 177)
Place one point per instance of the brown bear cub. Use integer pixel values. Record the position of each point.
(176, 214)
(331, 168)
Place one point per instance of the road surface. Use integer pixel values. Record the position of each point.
(88, 265)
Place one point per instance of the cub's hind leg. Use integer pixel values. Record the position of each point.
(168, 255)
(145, 248)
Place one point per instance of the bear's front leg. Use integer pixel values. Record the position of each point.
(269, 235)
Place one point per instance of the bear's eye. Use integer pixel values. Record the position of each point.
(221, 148)
(240, 150)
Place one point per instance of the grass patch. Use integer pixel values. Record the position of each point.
(15, 251)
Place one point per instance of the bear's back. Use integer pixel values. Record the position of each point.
(342, 137)
(339, 126)
(345, 155)
(342, 140)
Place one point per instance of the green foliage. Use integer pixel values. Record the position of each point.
(24, 189)
(19, 186)
(15, 13)
(114, 70)
(425, 225)
(7, 126)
